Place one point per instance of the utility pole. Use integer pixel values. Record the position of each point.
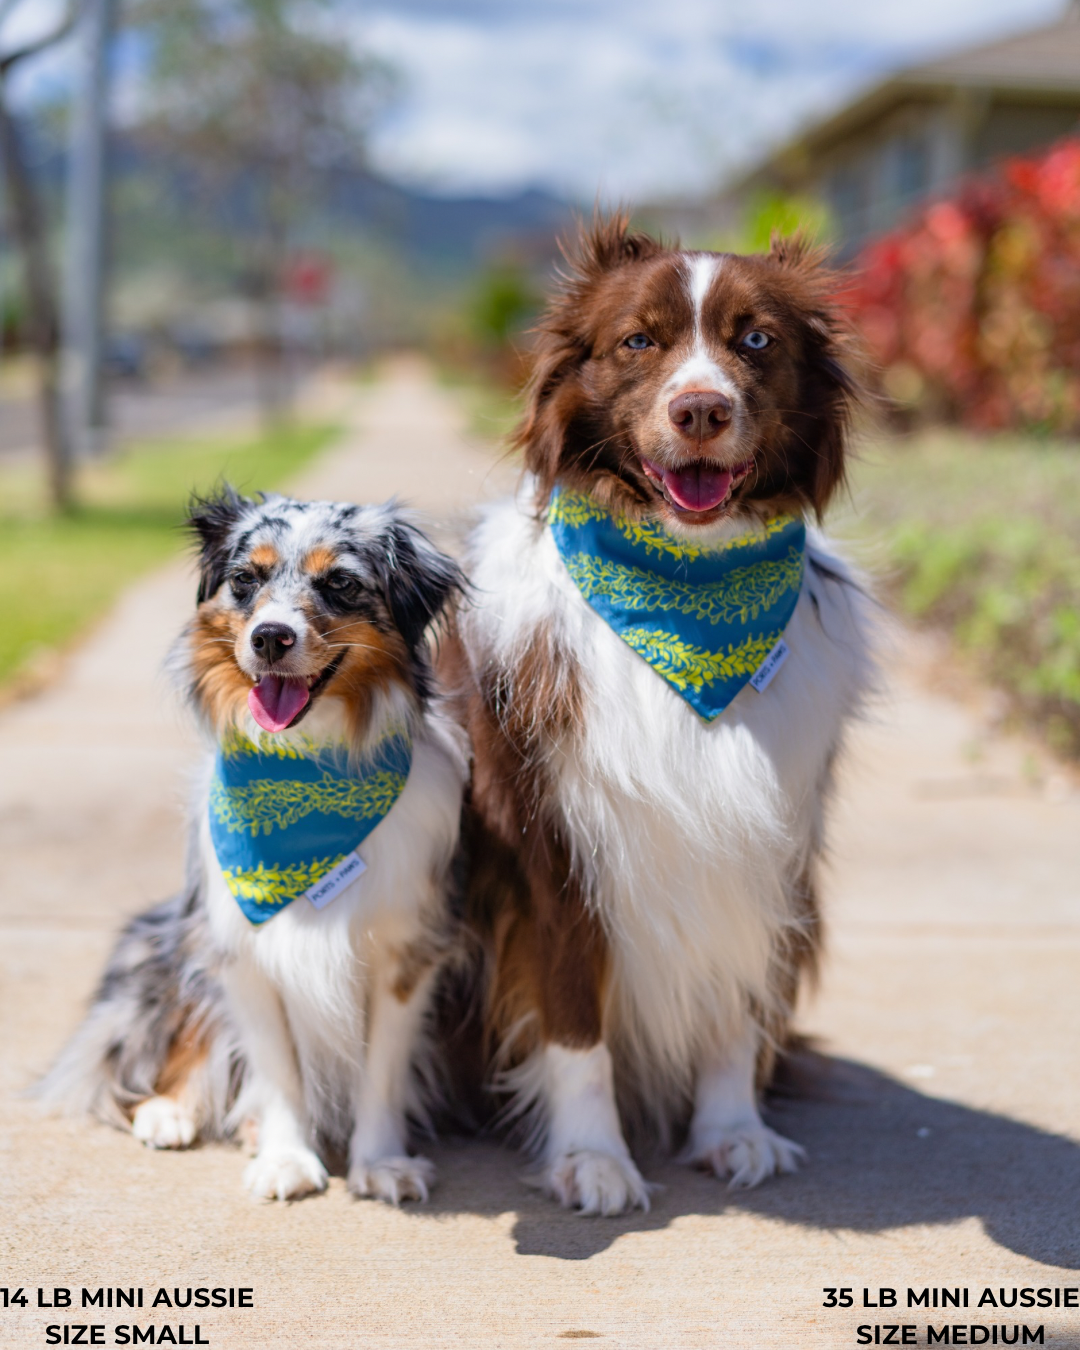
(84, 288)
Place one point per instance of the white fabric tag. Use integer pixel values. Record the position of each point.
(763, 676)
(335, 881)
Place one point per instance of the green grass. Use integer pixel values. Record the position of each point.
(58, 574)
(981, 537)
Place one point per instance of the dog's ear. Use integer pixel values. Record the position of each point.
(797, 251)
(555, 427)
(418, 580)
(831, 394)
(831, 390)
(605, 243)
(211, 519)
(558, 428)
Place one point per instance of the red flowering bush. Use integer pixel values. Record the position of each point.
(972, 309)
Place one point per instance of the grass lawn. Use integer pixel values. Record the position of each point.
(981, 536)
(58, 574)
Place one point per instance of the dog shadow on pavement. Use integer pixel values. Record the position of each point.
(882, 1156)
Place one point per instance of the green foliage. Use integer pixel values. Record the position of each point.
(785, 214)
(983, 539)
(12, 320)
(58, 574)
(255, 86)
(503, 303)
(971, 308)
(770, 212)
(246, 109)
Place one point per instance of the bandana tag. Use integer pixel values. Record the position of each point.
(768, 668)
(335, 881)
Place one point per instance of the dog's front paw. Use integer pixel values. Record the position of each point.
(746, 1154)
(160, 1122)
(392, 1179)
(595, 1183)
(285, 1174)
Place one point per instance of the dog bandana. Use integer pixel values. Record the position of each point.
(708, 619)
(286, 817)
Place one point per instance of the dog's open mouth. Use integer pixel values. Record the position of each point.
(699, 487)
(280, 701)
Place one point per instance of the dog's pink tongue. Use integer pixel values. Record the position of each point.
(697, 487)
(275, 701)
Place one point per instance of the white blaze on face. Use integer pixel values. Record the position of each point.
(699, 370)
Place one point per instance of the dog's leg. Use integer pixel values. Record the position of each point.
(587, 1164)
(379, 1164)
(727, 1134)
(164, 1122)
(285, 1166)
(173, 1116)
(551, 951)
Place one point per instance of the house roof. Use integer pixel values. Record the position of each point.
(1043, 59)
(1041, 64)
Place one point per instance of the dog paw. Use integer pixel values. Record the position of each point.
(160, 1122)
(595, 1183)
(285, 1174)
(392, 1179)
(747, 1154)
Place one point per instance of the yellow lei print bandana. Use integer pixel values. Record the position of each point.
(287, 816)
(707, 619)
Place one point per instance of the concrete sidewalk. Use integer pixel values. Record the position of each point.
(943, 1131)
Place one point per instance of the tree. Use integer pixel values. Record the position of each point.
(28, 227)
(257, 98)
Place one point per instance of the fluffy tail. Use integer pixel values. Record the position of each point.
(157, 1023)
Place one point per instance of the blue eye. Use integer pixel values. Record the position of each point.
(755, 340)
(637, 342)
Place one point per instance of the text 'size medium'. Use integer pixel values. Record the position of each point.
(944, 1298)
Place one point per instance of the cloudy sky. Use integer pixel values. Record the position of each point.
(636, 98)
(621, 99)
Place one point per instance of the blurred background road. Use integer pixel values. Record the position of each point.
(182, 405)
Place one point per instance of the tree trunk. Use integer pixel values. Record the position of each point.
(28, 228)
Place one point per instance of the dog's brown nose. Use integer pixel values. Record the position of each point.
(272, 640)
(700, 414)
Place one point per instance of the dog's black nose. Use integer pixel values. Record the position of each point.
(700, 414)
(272, 640)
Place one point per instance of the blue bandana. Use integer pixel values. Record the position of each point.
(286, 818)
(708, 619)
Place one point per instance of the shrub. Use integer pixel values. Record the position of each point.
(973, 308)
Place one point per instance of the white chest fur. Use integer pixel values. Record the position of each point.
(690, 835)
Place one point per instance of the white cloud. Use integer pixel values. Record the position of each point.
(23, 22)
(636, 97)
(618, 98)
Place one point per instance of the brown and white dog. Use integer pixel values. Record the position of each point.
(311, 626)
(647, 881)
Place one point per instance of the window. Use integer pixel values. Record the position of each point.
(912, 167)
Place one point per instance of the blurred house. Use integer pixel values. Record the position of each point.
(914, 134)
